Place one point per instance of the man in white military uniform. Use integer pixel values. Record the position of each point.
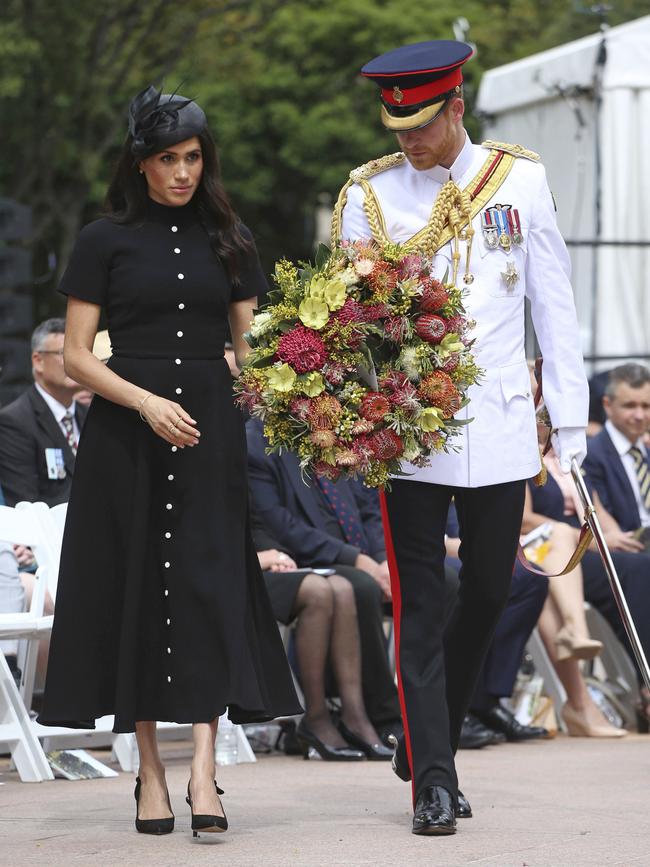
(442, 180)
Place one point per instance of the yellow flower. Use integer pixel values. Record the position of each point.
(335, 293)
(281, 378)
(317, 287)
(312, 384)
(430, 419)
(313, 313)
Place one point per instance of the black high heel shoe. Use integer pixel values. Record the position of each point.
(204, 821)
(374, 752)
(308, 741)
(151, 826)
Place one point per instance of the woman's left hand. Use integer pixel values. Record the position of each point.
(275, 561)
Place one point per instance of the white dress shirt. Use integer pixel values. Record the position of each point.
(59, 411)
(623, 446)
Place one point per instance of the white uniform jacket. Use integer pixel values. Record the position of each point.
(500, 444)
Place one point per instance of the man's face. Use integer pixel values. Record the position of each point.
(629, 410)
(437, 143)
(47, 363)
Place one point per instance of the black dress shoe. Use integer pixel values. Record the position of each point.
(399, 763)
(151, 826)
(434, 812)
(308, 741)
(373, 752)
(474, 735)
(463, 809)
(500, 719)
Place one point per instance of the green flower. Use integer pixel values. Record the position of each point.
(335, 293)
(281, 378)
(449, 344)
(313, 313)
(430, 419)
(312, 384)
(316, 288)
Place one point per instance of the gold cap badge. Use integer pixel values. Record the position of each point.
(398, 96)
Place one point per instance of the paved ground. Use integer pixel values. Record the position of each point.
(565, 803)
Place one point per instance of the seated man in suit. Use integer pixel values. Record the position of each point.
(617, 458)
(39, 431)
(334, 525)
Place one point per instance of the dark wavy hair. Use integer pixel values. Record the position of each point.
(126, 201)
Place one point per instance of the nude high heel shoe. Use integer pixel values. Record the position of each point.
(570, 647)
(579, 727)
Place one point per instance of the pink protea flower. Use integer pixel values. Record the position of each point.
(334, 373)
(347, 458)
(430, 327)
(351, 311)
(362, 426)
(410, 266)
(300, 407)
(364, 267)
(327, 471)
(303, 349)
(451, 363)
(372, 312)
(396, 328)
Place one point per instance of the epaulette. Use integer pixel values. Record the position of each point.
(374, 167)
(514, 149)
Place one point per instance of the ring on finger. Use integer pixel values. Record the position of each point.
(171, 427)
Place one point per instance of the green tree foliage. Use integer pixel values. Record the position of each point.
(278, 79)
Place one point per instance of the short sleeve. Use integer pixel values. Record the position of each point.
(252, 282)
(87, 274)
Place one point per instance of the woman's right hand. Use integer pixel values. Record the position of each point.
(170, 421)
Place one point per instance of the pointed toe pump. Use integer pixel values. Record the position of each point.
(205, 822)
(151, 826)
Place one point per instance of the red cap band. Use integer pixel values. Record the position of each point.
(405, 96)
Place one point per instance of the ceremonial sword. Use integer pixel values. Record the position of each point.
(591, 519)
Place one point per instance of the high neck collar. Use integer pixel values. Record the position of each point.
(459, 167)
(180, 215)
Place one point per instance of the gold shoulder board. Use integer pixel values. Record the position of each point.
(374, 167)
(514, 149)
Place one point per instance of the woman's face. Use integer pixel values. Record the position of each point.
(173, 175)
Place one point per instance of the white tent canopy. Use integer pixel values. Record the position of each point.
(547, 102)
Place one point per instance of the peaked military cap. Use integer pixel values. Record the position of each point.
(417, 81)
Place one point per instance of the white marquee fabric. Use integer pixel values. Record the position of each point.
(537, 102)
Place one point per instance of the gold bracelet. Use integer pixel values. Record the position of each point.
(142, 403)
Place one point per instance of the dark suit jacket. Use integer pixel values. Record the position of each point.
(606, 473)
(290, 511)
(27, 428)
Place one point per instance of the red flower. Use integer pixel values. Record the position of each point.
(375, 311)
(385, 445)
(457, 324)
(396, 328)
(351, 311)
(451, 363)
(438, 390)
(434, 296)
(300, 407)
(324, 470)
(323, 438)
(324, 412)
(334, 373)
(374, 406)
(430, 327)
(303, 349)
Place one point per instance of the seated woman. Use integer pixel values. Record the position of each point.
(326, 615)
(562, 624)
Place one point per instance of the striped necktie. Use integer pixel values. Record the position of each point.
(642, 474)
(68, 426)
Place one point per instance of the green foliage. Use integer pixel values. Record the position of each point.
(278, 79)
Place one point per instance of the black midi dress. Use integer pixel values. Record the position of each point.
(161, 609)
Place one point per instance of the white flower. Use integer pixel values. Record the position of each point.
(349, 276)
(261, 323)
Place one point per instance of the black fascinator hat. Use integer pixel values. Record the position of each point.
(158, 120)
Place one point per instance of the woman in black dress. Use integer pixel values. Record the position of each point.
(161, 612)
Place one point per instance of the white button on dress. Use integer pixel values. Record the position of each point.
(181, 276)
(179, 334)
(179, 391)
(174, 228)
(170, 477)
(177, 249)
(181, 306)
(169, 506)
(178, 361)
(168, 535)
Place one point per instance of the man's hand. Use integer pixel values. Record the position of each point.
(379, 572)
(620, 540)
(569, 443)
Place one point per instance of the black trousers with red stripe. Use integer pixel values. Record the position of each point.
(439, 662)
